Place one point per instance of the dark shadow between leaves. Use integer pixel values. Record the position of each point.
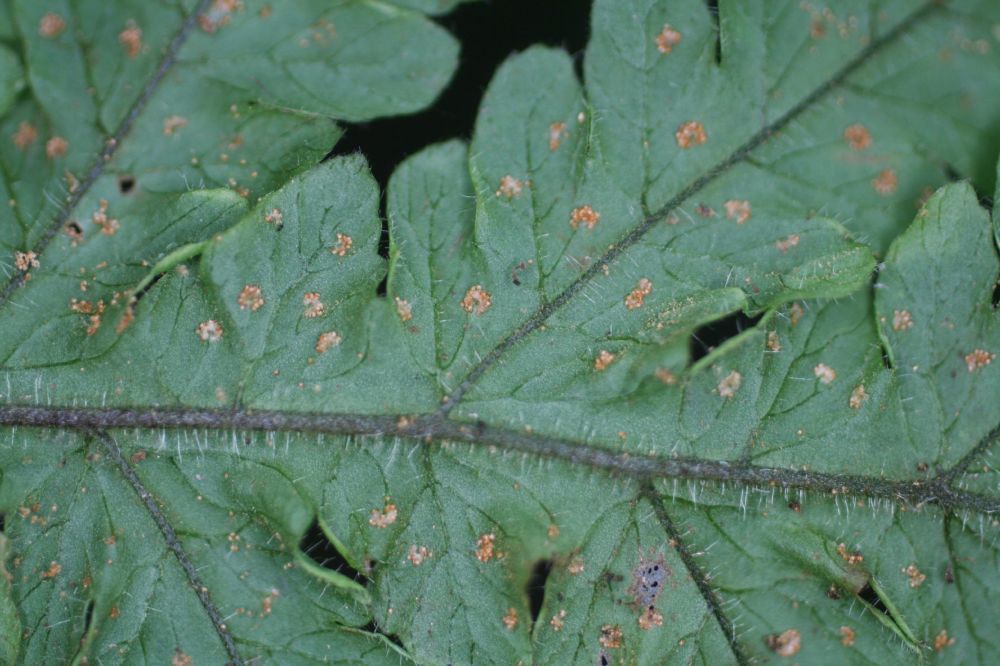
(536, 587)
(712, 335)
(318, 548)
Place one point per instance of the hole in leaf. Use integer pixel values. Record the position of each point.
(536, 587)
(489, 33)
(710, 336)
(868, 593)
(713, 10)
(74, 230)
(325, 553)
(382, 286)
(126, 183)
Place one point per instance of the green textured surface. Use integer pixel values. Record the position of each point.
(527, 390)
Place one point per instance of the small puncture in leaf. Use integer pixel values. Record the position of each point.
(510, 187)
(56, 147)
(667, 39)
(314, 306)
(730, 384)
(24, 136)
(858, 137)
(556, 133)
(824, 373)
(131, 39)
(510, 619)
(477, 300)
(885, 183)
(786, 644)
(603, 360)
(691, 133)
(638, 295)
(51, 25)
(979, 358)
(343, 246)
(327, 340)
(382, 518)
(584, 214)
(209, 331)
(738, 209)
(250, 297)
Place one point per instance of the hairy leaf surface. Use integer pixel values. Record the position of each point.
(223, 445)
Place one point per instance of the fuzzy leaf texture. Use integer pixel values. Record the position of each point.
(198, 370)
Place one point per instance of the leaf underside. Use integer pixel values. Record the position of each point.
(223, 445)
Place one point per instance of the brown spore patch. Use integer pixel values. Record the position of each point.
(486, 547)
(584, 215)
(218, 15)
(557, 132)
(343, 246)
(603, 360)
(667, 39)
(857, 136)
(250, 298)
(24, 136)
(382, 518)
(978, 358)
(886, 182)
(691, 133)
(51, 25)
(173, 123)
(739, 210)
(637, 296)
(477, 300)
(786, 644)
(131, 39)
(56, 147)
(611, 636)
(209, 331)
